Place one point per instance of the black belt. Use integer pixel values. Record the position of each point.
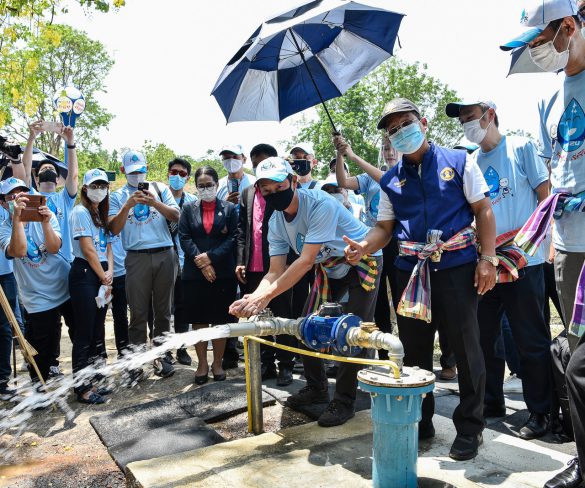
(154, 250)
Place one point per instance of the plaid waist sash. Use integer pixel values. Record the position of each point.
(534, 231)
(511, 257)
(367, 270)
(416, 299)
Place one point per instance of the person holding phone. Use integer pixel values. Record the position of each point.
(141, 212)
(92, 267)
(41, 271)
(232, 185)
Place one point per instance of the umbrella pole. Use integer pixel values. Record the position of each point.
(294, 38)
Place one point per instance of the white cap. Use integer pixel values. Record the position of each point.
(274, 168)
(134, 161)
(10, 184)
(232, 148)
(303, 146)
(95, 175)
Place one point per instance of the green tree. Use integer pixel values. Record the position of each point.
(356, 113)
(74, 59)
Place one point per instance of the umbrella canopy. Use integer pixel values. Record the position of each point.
(305, 56)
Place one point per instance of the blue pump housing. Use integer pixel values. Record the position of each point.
(328, 333)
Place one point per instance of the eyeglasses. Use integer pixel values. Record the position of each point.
(396, 128)
(181, 172)
(206, 187)
(98, 186)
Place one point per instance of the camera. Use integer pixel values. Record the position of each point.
(301, 167)
(8, 152)
(143, 186)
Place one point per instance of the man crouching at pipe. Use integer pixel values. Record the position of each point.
(429, 201)
(313, 224)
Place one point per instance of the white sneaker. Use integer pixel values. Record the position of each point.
(513, 384)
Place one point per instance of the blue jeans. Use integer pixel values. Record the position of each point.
(8, 284)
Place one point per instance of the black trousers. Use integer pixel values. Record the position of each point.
(523, 302)
(89, 334)
(181, 325)
(361, 303)
(454, 305)
(550, 292)
(43, 331)
(120, 313)
(575, 378)
(281, 306)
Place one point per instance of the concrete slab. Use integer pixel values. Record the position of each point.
(308, 455)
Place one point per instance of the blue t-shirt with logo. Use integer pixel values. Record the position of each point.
(370, 189)
(223, 191)
(562, 133)
(145, 227)
(61, 204)
(320, 219)
(82, 226)
(513, 170)
(42, 278)
(5, 263)
(119, 255)
(189, 198)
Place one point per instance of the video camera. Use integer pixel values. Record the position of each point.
(8, 151)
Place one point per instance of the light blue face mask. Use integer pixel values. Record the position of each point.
(177, 182)
(408, 139)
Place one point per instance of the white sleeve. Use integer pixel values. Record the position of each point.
(474, 184)
(385, 209)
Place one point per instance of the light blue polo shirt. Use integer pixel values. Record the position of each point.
(320, 220)
(189, 198)
(5, 263)
(145, 227)
(562, 134)
(223, 190)
(43, 278)
(61, 204)
(370, 190)
(305, 186)
(513, 170)
(82, 226)
(119, 255)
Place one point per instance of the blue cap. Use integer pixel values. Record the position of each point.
(133, 162)
(522, 39)
(95, 175)
(12, 183)
(273, 168)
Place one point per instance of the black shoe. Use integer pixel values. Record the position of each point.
(536, 426)
(7, 394)
(132, 377)
(465, 446)
(201, 380)
(336, 413)
(308, 396)
(163, 368)
(426, 430)
(298, 367)
(268, 372)
(493, 411)
(569, 478)
(331, 371)
(285, 377)
(183, 356)
(169, 357)
(93, 399)
(229, 363)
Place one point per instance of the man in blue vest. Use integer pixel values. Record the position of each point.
(429, 201)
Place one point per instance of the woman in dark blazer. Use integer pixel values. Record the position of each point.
(207, 232)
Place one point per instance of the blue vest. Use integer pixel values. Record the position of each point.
(433, 200)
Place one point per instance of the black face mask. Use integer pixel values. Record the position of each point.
(48, 177)
(280, 200)
(301, 167)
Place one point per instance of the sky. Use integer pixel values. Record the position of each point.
(169, 53)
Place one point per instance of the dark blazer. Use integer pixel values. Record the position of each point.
(219, 244)
(244, 233)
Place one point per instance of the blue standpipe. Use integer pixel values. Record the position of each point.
(396, 411)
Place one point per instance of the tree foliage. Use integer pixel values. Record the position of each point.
(57, 58)
(356, 113)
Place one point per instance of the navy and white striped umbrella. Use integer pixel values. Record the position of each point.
(305, 56)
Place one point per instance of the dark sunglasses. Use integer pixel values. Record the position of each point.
(181, 172)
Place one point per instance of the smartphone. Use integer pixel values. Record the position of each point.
(31, 212)
(51, 126)
(143, 186)
(234, 185)
(111, 175)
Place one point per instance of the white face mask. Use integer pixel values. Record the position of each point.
(232, 165)
(473, 130)
(97, 195)
(208, 194)
(546, 56)
(133, 180)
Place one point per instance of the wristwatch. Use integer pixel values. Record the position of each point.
(490, 259)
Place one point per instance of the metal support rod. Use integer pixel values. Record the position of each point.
(294, 38)
(255, 412)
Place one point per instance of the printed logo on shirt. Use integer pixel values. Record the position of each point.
(400, 183)
(447, 174)
(35, 255)
(374, 204)
(99, 241)
(300, 242)
(571, 127)
(141, 214)
(499, 187)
